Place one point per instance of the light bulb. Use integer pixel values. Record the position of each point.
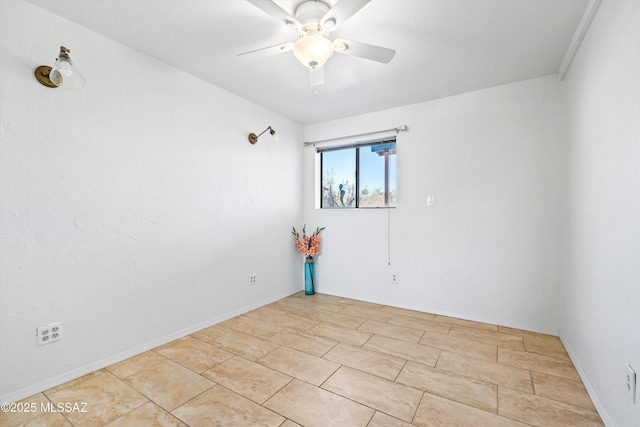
(64, 73)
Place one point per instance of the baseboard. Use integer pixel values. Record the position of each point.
(515, 325)
(585, 380)
(119, 357)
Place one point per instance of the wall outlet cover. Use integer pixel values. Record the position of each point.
(48, 334)
(395, 279)
(631, 384)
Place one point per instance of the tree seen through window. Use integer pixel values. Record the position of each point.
(362, 176)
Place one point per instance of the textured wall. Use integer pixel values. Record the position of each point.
(601, 324)
(132, 210)
(492, 248)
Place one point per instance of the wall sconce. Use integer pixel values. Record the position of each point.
(63, 74)
(253, 138)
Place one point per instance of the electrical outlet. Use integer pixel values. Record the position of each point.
(394, 279)
(50, 333)
(631, 384)
(253, 279)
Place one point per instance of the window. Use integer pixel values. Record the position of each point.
(359, 176)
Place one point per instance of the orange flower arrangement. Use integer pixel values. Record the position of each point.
(308, 246)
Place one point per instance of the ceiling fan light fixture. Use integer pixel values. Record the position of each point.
(313, 49)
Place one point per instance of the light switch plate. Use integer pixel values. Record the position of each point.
(431, 201)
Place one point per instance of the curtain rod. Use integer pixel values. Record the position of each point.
(399, 129)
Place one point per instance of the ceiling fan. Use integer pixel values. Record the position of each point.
(313, 20)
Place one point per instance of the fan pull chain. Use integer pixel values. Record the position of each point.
(314, 88)
(388, 236)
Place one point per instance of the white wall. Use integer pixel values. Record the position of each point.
(601, 325)
(492, 248)
(132, 210)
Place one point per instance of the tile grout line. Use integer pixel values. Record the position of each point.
(359, 311)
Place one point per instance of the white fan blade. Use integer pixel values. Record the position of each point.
(340, 12)
(364, 50)
(276, 12)
(268, 51)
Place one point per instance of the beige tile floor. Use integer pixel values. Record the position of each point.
(328, 361)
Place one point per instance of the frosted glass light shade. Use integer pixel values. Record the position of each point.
(313, 49)
(64, 74)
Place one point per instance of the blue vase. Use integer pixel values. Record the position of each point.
(309, 276)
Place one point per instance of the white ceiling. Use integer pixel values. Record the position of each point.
(443, 47)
